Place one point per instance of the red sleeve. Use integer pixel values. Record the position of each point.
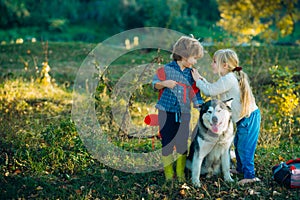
(161, 76)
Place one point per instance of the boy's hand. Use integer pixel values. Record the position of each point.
(169, 83)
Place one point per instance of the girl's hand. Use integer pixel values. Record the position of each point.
(196, 75)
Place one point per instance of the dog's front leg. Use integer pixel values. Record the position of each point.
(196, 169)
(226, 166)
(199, 155)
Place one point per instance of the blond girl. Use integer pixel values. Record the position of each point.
(234, 83)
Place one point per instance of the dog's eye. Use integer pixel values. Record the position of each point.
(209, 111)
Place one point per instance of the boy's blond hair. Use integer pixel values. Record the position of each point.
(230, 57)
(186, 47)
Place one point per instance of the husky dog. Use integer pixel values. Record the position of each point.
(212, 138)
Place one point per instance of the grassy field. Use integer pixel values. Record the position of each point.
(43, 157)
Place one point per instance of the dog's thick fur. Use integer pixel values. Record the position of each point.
(212, 138)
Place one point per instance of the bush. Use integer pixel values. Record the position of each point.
(283, 95)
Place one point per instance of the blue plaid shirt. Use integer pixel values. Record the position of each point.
(172, 100)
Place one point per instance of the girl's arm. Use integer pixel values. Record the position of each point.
(213, 89)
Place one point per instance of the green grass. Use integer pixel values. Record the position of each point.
(43, 157)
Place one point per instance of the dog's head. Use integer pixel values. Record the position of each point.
(215, 115)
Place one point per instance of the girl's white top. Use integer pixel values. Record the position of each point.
(225, 88)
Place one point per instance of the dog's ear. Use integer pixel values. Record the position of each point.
(228, 102)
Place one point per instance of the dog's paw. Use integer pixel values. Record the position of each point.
(196, 183)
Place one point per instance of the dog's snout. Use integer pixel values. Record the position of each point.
(214, 119)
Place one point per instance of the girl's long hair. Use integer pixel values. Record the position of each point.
(230, 57)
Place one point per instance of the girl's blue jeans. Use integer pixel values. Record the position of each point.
(245, 142)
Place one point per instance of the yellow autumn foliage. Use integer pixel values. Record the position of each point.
(246, 19)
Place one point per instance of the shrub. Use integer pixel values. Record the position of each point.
(283, 95)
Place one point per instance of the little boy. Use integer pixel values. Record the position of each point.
(178, 90)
